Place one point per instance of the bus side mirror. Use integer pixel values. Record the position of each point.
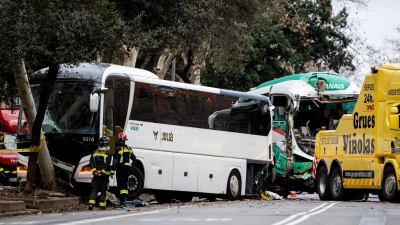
(94, 102)
(94, 99)
(394, 118)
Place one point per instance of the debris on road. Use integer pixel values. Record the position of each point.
(269, 195)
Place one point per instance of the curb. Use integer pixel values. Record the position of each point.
(23, 213)
(40, 204)
(11, 206)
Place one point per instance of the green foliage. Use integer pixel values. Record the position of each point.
(182, 26)
(285, 43)
(242, 43)
(52, 32)
(159, 25)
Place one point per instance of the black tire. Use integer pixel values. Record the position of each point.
(163, 197)
(135, 183)
(322, 185)
(234, 186)
(336, 185)
(389, 186)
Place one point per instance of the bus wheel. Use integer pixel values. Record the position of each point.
(389, 186)
(234, 186)
(336, 185)
(322, 184)
(135, 183)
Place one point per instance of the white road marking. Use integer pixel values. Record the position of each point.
(311, 214)
(374, 216)
(187, 219)
(212, 219)
(299, 214)
(183, 220)
(150, 220)
(24, 223)
(117, 217)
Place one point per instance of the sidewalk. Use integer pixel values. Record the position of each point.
(34, 205)
(14, 206)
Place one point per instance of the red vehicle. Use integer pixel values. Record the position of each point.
(12, 165)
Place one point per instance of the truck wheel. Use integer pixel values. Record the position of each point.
(389, 186)
(336, 185)
(135, 183)
(234, 186)
(322, 184)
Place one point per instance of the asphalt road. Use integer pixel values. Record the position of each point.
(303, 209)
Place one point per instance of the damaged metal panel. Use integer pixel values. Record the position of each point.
(301, 167)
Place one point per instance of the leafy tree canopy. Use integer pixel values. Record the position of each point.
(46, 33)
(282, 44)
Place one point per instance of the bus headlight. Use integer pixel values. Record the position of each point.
(86, 169)
(21, 168)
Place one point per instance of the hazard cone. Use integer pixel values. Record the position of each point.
(293, 194)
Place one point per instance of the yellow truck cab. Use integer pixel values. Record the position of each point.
(362, 155)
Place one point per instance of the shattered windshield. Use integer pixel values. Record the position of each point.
(68, 108)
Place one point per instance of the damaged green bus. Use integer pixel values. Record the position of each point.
(304, 104)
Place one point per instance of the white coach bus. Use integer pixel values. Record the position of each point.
(188, 139)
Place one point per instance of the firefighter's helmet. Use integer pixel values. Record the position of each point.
(104, 141)
(122, 137)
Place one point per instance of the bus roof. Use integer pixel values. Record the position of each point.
(304, 85)
(92, 72)
(202, 88)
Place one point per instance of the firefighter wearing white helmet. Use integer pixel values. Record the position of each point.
(100, 162)
(122, 158)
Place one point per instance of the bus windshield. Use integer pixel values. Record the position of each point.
(68, 108)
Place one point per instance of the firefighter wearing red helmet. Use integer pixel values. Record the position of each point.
(122, 158)
(100, 162)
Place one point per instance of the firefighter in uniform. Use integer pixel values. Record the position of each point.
(122, 165)
(100, 162)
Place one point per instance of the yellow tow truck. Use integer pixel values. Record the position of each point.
(362, 155)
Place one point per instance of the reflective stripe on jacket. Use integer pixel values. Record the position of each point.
(100, 161)
(122, 156)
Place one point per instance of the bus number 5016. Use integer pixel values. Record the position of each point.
(91, 139)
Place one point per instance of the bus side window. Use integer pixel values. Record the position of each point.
(239, 123)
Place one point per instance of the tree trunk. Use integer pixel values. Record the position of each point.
(152, 63)
(130, 56)
(165, 65)
(184, 73)
(45, 163)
